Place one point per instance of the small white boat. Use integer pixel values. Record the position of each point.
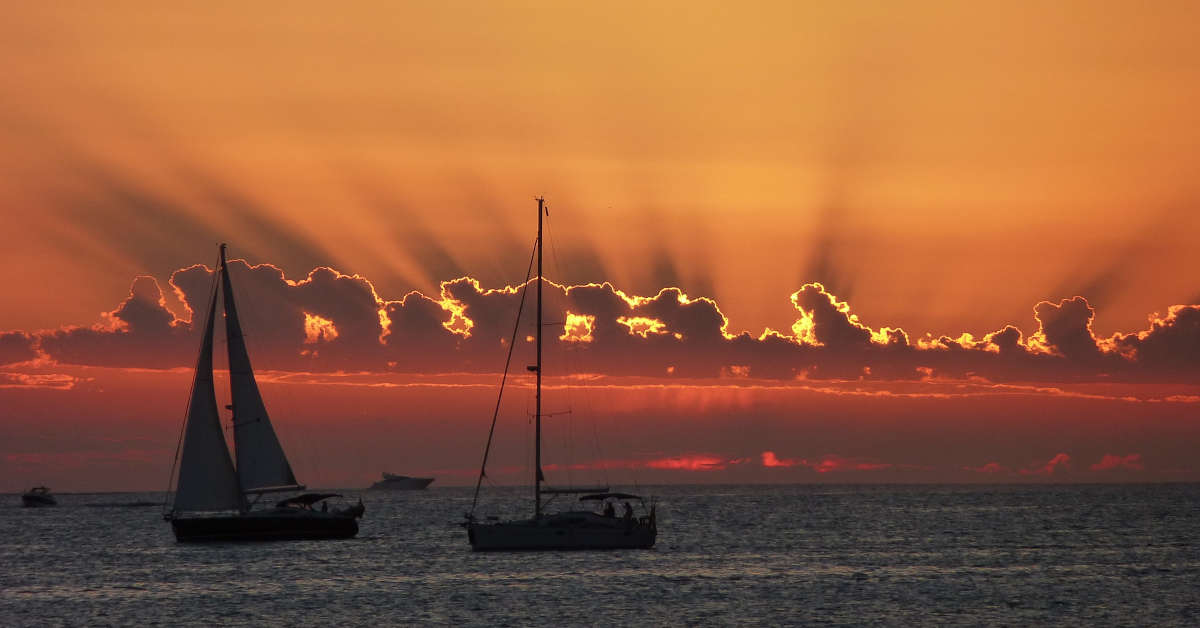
(37, 497)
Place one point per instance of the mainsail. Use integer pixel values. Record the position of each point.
(261, 463)
(207, 480)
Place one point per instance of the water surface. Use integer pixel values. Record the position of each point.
(802, 554)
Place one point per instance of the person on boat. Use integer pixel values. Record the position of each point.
(609, 511)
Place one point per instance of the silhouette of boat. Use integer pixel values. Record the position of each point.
(214, 501)
(38, 497)
(391, 481)
(578, 529)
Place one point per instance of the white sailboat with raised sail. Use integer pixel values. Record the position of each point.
(214, 500)
(577, 529)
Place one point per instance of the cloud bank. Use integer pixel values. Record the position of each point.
(331, 322)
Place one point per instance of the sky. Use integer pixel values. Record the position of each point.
(789, 241)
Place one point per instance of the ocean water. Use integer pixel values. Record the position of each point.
(745, 555)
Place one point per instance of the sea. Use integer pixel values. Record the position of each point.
(856, 555)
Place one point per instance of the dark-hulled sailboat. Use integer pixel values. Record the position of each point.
(214, 501)
(576, 529)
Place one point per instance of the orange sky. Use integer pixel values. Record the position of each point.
(940, 167)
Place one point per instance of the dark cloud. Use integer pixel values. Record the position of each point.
(16, 346)
(832, 325)
(1172, 344)
(1007, 341)
(141, 332)
(330, 321)
(275, 312)
(416, 336)
(1066, 328)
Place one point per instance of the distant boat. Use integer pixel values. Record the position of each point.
(401, 482)
(577, 529)
(214, 501)
(38, 497)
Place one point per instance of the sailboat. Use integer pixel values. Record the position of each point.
(579, 528)
(216, 501)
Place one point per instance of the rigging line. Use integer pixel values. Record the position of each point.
(247, 312)
(597, 449)
(512, 343)
(567, 355)
(574, 358)
(188, 409)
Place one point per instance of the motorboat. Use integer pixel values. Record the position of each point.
(38, 497)
(401, 482)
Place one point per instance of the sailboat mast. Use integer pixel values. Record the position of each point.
(537, 405)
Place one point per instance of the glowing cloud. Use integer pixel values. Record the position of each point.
(668, 334)
(685, 462)
(1110, 462)
(769, 459)
(737, 370)
(991, 467)
(831, 463)
(825, 321)
(692, 463)
(1054, 465)
(642, 325)
(318, 329)
(578, 327)
(50, 381)
(458, 323)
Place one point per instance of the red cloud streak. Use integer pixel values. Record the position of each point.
(1055, 465)
(1110, 462)
(342, 429)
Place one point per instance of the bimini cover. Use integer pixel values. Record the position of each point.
(307, 499)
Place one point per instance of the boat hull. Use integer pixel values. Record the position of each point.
(586, 531)
(38, 501)
(402, 484)
(264, 527)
